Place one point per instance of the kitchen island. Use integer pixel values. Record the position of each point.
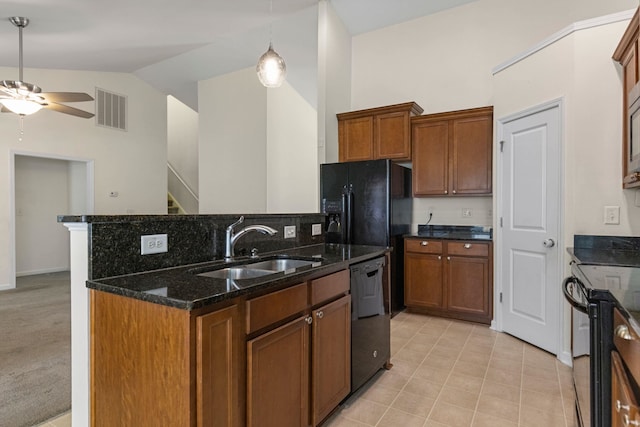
(172, 346)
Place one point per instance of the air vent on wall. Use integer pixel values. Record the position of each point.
(111, 110)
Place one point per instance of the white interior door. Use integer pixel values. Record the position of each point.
(530, 218)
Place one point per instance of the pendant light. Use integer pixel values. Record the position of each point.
(271, 68)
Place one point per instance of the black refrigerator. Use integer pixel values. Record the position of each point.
(369, 203)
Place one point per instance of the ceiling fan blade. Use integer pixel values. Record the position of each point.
(66, 96)
(68, 110)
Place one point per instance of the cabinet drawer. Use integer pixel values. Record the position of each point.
(423, 246)
(276, 306)
(327, 287)
(468, 249)
(627, 343)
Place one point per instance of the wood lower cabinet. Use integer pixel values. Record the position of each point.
(299, 372)
(281, 359)
(376, 133)
(449, 278)
(452, 153)
(278, 377)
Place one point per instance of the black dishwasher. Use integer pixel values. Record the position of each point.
(370, 322)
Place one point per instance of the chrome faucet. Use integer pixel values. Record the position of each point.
(232, 238)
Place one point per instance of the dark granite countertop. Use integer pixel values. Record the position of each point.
(454, 232)
(181, 287)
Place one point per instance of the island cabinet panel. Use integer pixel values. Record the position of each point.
(331, 337)
(220, 368)
(278, 377)
(449, 278)
(452, 153)
(140, 363)
(376, 133)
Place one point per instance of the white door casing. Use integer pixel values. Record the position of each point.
(529, 226)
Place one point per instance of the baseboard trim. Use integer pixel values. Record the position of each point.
(6, 287)
(565, 357)
(41, 271)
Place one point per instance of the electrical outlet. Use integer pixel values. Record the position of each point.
(153, 244)
(316, 229)
(289, 231)
(612, 214)
(466, 213)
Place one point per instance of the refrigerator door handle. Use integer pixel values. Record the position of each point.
(350, 202)
(344, 215)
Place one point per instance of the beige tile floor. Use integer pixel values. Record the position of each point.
(452, 373)
(63, 420)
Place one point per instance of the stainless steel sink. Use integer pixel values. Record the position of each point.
(237, 273)
(280, 264)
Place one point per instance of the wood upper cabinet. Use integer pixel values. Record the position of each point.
(376, 133)
(449, 278)
(627, 55)
(452, 153)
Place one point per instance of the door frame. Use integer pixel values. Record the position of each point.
(12, 198)
(563, 354)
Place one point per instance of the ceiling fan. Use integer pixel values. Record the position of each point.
(20, 97)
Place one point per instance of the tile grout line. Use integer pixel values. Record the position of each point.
(484, 378)
(524, 349)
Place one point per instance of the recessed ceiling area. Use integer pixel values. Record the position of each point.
(173, 44)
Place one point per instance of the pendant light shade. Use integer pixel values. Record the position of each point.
(271, 68)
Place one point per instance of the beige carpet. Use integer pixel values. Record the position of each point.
(35, 350)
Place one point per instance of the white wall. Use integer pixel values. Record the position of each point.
(292, 158)
(182, 141)
(444, 62)
(257, 147)
(42, 192)
(132, 163)
(232, 144)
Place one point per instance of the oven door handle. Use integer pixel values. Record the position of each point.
(569, 282)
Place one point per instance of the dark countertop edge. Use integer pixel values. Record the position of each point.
(450, 237)
(280, 282)
(165, 217)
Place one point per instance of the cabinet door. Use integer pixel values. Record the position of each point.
(471, 155)
(392, 136)
(355, 139)
(423, 284)
(278, 377)
(468, 285)
(624, 408)
(219, 354)
(430, 158)
(331, 344)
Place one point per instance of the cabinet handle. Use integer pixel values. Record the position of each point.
(623, 332)
(454, 191)
(467, 245)
(423, 243)
(439, 256)
(620, 406)
(309, 320)
(448, 258)
(320, 314)
(375, 353)
(446, 192)
(627, 422)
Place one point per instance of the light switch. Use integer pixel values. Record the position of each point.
(612, 214)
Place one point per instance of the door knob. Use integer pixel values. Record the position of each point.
(549, 243)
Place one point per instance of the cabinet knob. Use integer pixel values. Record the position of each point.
(446, 192)
(620, 406)
(375, 353)
(439, 256)
(623, 332)
(309, 320)
(448, 258)
(320, 314)
(454, 191)
(424, 243)
(467, 245)
(628, 422)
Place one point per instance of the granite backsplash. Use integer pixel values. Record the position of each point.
(114, 240)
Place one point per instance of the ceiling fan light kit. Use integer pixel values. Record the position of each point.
(20, 97)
